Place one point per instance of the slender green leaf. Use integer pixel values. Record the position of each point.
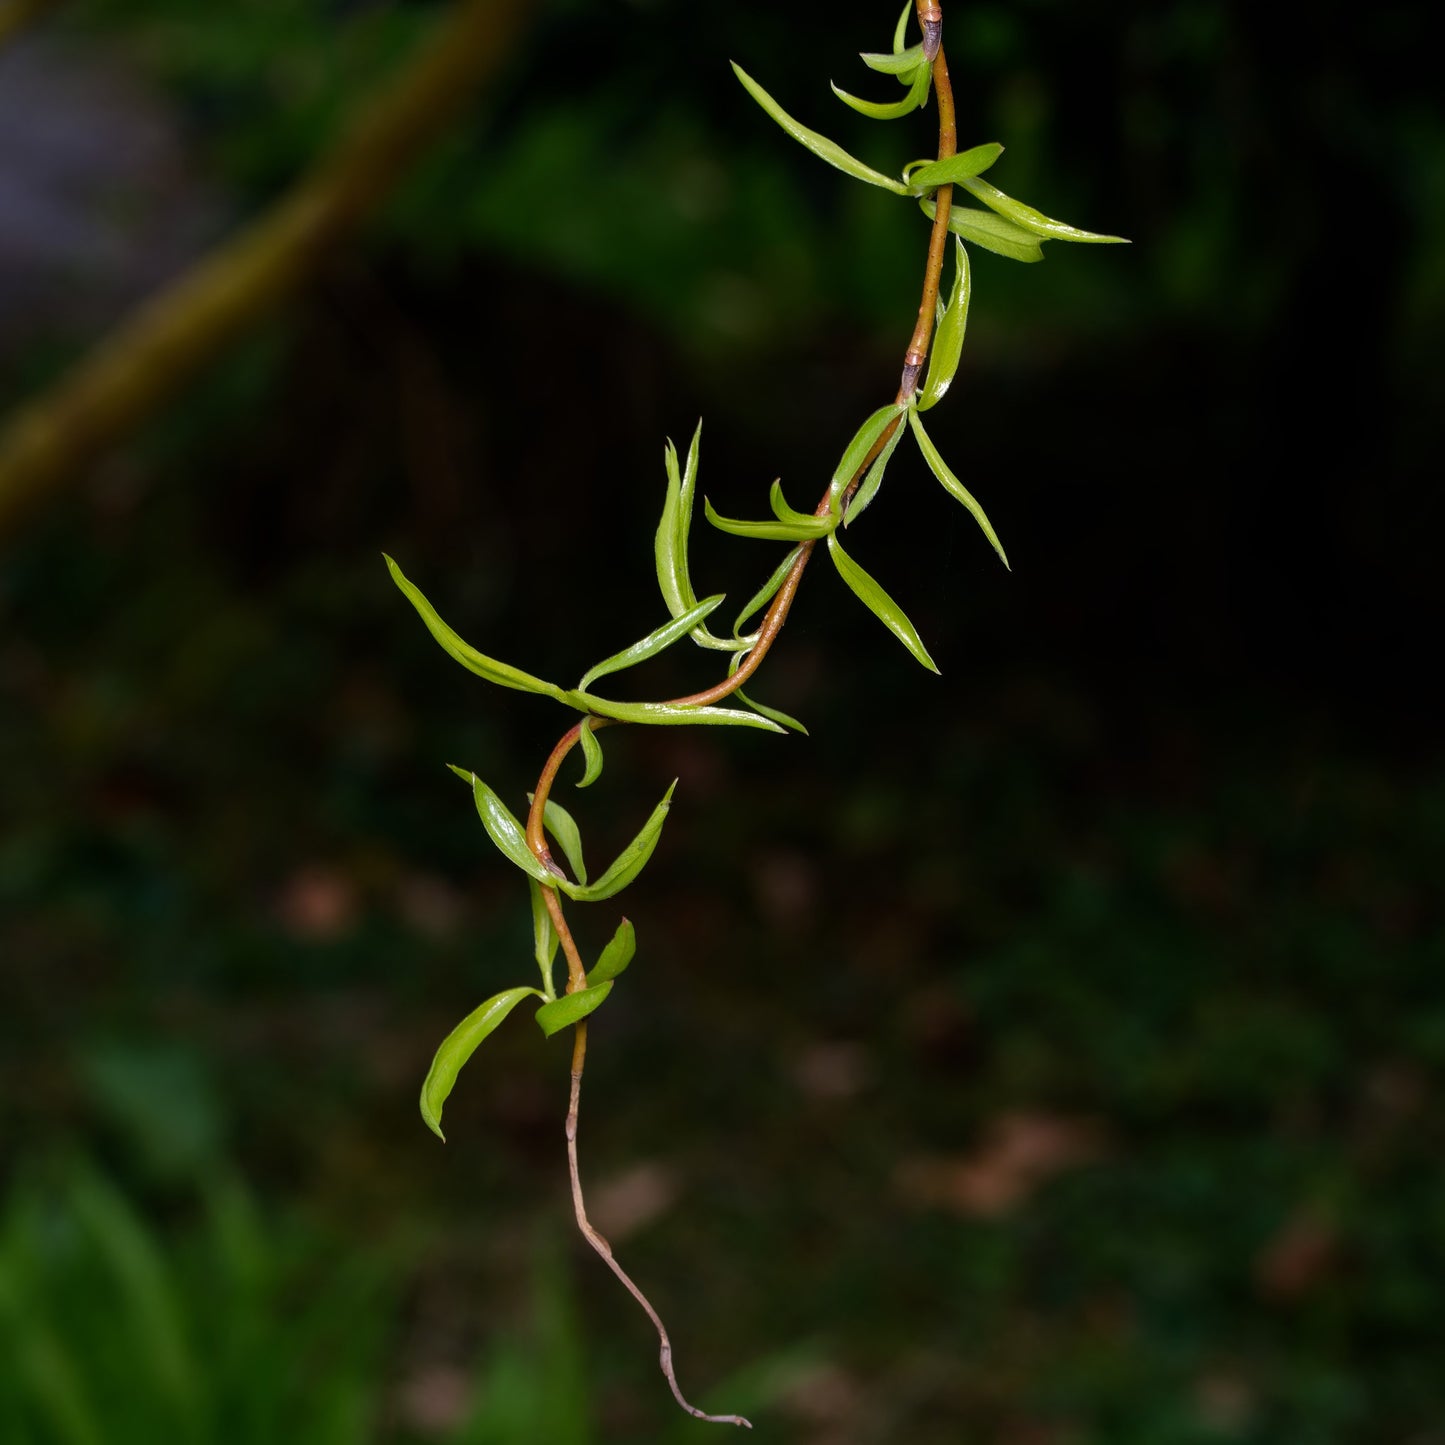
(489, 668)
(503, 829)
(865, 494)
(992, 232)
(571, 1008)
(879, 603)
(782, 511)
(948, 339)
(898, 63)
(777, 715)
(616, 956)
(952, 485)
(653, 643)
(767, 591)
(568, 836)
(971, 162)
(544, 937)
(665, 714)
(591, 754)
(1032, 220)
(821, 146)
(856, 452)
(459, 1046)
(902, 28)
(890, 110)
(629, 862)
(671, 542)
(804, 528)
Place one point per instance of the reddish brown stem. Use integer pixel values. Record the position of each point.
(930, 19)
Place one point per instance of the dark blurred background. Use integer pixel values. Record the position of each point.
(1048, 1052)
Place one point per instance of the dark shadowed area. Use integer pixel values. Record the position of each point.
(1050, 1052)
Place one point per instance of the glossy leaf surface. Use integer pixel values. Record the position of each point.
(952, 485)
(821, 146)
(947, 347)
(486, 667)
(1032, 220)
(879, 603)
(459, 1046)
(897, 63)
(653, 643)
(774, 531)
(629, 862)
(865, 494)
(670, 545)
(664, 714)
(993, 233)
(571, 1008)
(972, 162)
(856, 452)
(503, 829)
(591, 755)
(616, 956)
(567, 835)
(767, 591)
(891, 109)
(544, 936)
(777, 715)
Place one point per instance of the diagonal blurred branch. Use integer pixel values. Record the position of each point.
(138, 368)
(15, 15)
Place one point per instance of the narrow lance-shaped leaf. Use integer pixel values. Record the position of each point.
(571, 1008)
(503, 829)
(821, 146)
(666, 714)
(566, 834)
(486, 667)
(800, 530)
(879, 603)
(616, 956)
(782, 511)
(459, 1046)
(865, 494)
(948, 339)
(1032, 220)
(856, 452)
(671, 542)
(767, 591)
(776, 714)
(544, 937)
(992, 232)
(629, 862)
(952, 485)
(891, 109)
(653, 643)
(591, 755)
(974, 161)
(900, 62)
(901, 29)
